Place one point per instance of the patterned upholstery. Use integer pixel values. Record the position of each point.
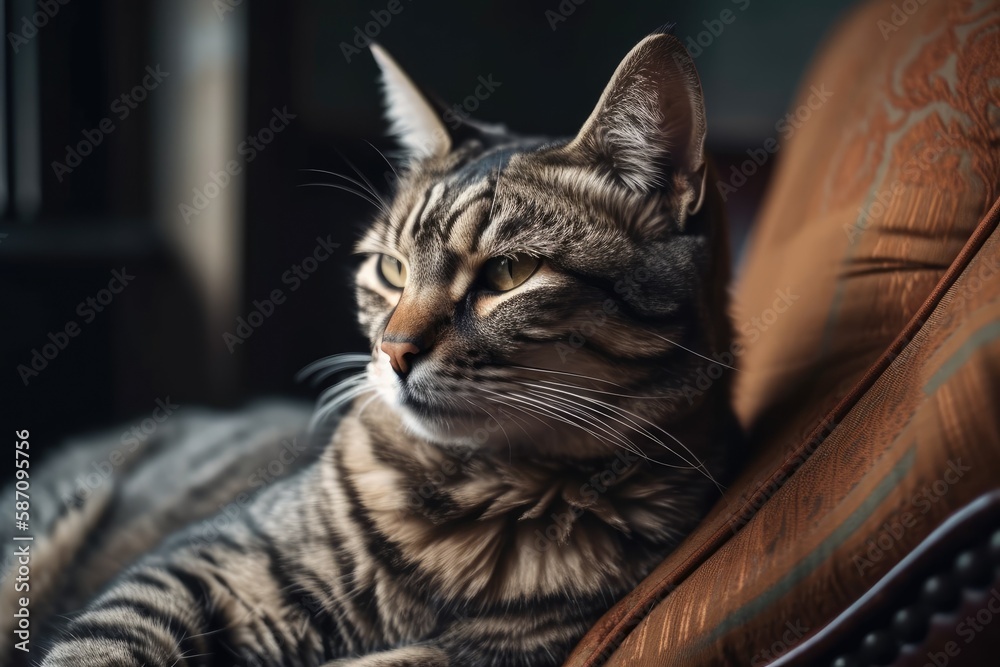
(869, 311)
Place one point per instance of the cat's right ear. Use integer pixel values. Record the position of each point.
(413, 120)
(648, 128)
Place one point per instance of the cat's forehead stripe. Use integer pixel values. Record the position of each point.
(432, 202)
(408, 227)
(469, 194)
(463, 235)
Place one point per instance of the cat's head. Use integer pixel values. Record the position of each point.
(570, 286)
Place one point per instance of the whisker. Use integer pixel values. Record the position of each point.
(545, 392)
(364, 405)
(337, 396)
(346, 189)
(632, 425)
(496, 187)
(384, 158)
(599, 391)
(686, 349)
(622, 411)
(520, 409)
(366, 188)
(538, 406)
(325, 411)
(334, 362)
(599, 417)
(510, 447)
(578, 375)
(361, 176)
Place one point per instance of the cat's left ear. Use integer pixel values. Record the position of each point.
(422, 124)
(649, 125)
(413, 119)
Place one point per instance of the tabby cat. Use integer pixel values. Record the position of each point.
(528, 437)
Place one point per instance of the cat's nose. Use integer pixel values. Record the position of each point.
(401, 355)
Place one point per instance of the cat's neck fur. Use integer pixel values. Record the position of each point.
(483, 527)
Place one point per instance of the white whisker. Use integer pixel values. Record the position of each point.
(347, 189)
(686, 349)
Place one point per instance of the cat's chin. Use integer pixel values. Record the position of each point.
(473, 430)
(428, 421)
(443, 431)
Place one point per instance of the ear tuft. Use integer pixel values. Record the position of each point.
(412, 118)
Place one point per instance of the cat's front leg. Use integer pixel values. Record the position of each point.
(200, 604)
(146, 619)
(407, 656)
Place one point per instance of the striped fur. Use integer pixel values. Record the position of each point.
(547, 446)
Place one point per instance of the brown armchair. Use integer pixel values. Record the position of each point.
(865, 529)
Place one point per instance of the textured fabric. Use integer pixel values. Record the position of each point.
(869, 312)
(879, 189)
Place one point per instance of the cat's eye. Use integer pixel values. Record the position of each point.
(506, 273)
(392, 271)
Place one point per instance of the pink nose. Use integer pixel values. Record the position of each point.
(400, 355)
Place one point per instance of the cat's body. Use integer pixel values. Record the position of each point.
(530, 438)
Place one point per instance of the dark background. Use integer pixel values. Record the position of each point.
(229, 66)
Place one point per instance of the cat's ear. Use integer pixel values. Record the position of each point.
(413, 119)
(649, 125)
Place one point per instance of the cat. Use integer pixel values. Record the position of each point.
(528, 437)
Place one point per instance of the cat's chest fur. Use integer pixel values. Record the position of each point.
(475, 530)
